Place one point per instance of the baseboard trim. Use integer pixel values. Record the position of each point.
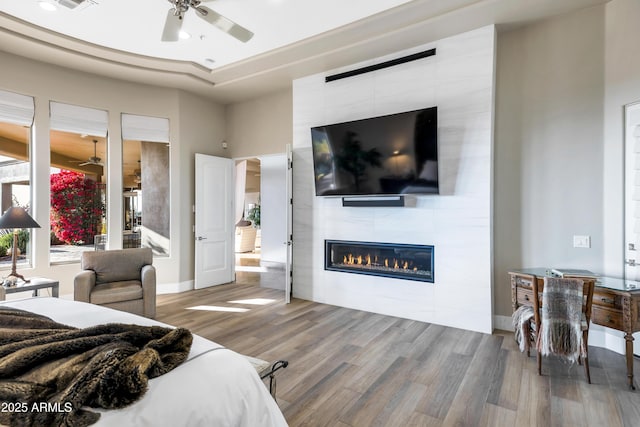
(502, 323)
(174, 288)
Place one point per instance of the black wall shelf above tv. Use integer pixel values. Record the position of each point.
(373, 201)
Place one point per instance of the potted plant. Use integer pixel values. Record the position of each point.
(254, 216)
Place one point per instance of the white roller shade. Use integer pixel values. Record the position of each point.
(145, 128)
(75, 119)
(16, 109)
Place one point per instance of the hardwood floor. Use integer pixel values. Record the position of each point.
(353, 368)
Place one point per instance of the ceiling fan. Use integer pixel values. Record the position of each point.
(94, 160)
(180, 7)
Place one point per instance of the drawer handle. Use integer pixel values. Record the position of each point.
(608, 300)
(526, 297)
(609, 319)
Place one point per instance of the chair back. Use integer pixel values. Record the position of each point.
(116, 265)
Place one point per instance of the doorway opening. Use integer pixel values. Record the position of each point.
(248, 234)
(260, 230)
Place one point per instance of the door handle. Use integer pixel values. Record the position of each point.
(202, 238)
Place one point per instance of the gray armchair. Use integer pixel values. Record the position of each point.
(123, 279)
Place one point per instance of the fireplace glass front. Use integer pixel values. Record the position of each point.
(396, 260)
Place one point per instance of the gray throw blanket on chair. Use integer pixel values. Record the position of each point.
(520, 321)
(50, 372)
(561, 319)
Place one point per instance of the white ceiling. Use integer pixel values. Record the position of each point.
(293, 38)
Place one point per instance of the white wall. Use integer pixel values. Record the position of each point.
(259, 126)
(459, 80)
(548, 147)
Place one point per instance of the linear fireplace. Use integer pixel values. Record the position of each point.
(396, 260)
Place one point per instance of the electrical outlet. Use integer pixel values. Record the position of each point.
(581, 241)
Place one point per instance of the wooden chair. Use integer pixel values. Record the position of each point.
(562, 325)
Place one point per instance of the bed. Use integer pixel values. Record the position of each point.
(214, 386)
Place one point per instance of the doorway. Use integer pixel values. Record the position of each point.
(248, 234)
(261, 203)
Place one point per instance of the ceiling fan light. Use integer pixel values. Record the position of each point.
(48, 6)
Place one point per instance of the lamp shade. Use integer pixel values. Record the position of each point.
(17, 217)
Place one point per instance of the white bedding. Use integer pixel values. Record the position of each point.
(213, 387)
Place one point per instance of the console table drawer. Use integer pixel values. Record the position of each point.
(523, 281)
(607, 299)
(607, 317)
(524, 296)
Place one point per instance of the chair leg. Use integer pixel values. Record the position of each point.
(586, 369)
(585, 339)
(526, 336)
(539, 360)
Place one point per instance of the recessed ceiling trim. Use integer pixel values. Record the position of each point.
(60, 50)
(18, 27)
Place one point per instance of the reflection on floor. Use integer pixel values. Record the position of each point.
(251, 270)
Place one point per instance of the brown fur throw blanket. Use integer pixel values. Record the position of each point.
(50, 371)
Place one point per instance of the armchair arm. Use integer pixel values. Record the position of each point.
(148, 279)
(83, 284)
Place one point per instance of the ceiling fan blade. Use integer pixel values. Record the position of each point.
(171, 27)
(224, 24)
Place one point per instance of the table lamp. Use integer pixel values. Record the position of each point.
(16, 218)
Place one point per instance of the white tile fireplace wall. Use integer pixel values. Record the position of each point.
(459, 80)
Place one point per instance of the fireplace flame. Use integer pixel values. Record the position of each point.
(370, 261)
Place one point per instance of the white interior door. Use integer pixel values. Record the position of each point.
(289, 240)
(632, 199)
(214, 225)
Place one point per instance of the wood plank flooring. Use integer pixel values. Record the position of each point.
(353, 368)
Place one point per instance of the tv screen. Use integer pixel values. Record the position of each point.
(386, 155)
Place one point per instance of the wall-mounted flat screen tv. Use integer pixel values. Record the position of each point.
(387, 155)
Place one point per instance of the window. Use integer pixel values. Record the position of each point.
(145, 169)
(16, 119)
(78, 142)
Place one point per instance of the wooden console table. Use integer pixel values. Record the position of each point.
(616, 304)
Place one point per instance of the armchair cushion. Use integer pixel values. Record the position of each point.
(107, 293)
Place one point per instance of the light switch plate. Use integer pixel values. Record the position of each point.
(581, 241)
